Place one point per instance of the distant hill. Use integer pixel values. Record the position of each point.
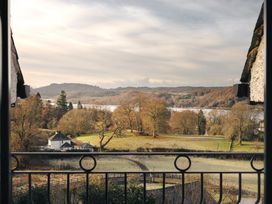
(174, 96)
(72, 90)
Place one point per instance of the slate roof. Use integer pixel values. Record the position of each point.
(66, 145)
(253, 49)
(86, 146)
(59, 137)
(21, 87)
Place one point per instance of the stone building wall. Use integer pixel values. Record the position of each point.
(257, 76)
(13, 75)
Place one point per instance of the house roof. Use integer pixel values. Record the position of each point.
(86, 146)
(59, 137)
(253, 49)
(66, 145)
(21, 87)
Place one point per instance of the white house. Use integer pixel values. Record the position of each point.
(59, 141)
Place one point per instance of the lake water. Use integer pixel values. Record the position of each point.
(111, 108)
(206, 111)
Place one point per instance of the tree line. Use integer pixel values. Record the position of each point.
(142, 115)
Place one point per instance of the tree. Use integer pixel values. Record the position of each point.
(102, 125)
(185, 122)
(155, 116)
(70, 106)
(243, 121)
(104, 141)
(79, 105)
(126, 114)
(49, 116)
(230, 130)
(119, 121)
(103, 120)
(215, 122)
(78, 121)
(25, 121)
(62, 106)
(201, 123)
(139, 103)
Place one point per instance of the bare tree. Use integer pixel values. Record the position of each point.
(185, 122)
(25, 121)
(119, 121)
(78, 121)
(104, 141)
(215, 122)
(230, 130)
(156, 116)
(244, 119)
(126, 113)
(139, 103)
(240, 122)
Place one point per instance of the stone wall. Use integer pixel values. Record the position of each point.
(173, 194)
(257, 76)
(58, 191)
(13, 73)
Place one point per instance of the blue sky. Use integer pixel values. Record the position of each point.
(114, 43)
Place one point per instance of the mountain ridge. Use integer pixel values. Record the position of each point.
(181, 96)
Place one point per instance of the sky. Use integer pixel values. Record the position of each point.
(118, 43)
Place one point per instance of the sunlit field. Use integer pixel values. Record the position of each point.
(199, 143)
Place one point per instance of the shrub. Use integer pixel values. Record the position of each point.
(78, 121)
(116, 194)
(185, 122)
(96, 195)
(39, 195)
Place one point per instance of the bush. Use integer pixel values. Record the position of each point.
(185, 122)
(215, 129)
(116, 194)
(39, 195)
(78, 121)
(96, 195)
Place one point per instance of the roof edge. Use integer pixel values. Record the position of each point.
(253, 49)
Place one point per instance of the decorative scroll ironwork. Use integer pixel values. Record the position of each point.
(182, 169)
(252, 164)
(17, 162)
(87, 157)
(180, 172)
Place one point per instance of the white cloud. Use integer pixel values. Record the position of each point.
(107, 44)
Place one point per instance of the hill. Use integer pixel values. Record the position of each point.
(174, 96)
(72, 90)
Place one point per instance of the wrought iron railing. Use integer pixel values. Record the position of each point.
(179, 166)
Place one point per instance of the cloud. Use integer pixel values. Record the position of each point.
(133, 43)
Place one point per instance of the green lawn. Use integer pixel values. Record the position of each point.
(192, 142)
(166, 163)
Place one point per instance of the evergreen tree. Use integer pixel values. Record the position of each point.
(38, 96)
(79, 105)
(201, 123)
(70, 107)
(62, 106)
(49, 116)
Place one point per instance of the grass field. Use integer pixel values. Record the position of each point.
(192, 142)
(166, 163)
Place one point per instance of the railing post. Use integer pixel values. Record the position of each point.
(5, 185)
(268, 101)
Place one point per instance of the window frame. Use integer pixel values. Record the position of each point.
(5, 178)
